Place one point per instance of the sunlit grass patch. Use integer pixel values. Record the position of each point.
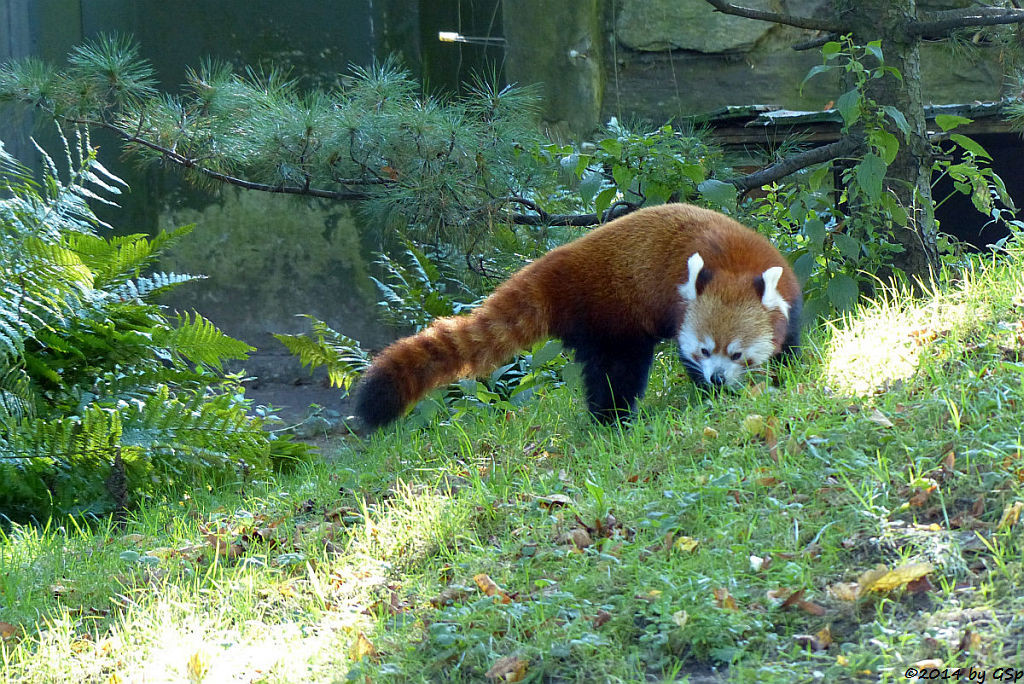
(887, 340)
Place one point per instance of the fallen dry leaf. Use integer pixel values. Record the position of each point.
(724, 600)
(969, 641)
(812, 608)
(810, 641)
(845, 591)
(1011, 514)
(552, 500)
(8, 631)
(978, 508)
(880, 418)
(949, 461)
(489, 587)
(685, 544)
(578, 537)
(883, 580)
(508, 669)
(753, 425)
(602, 617)
(134, 539)
(920, 498)
(921, 585)
(796, 599)
(929, 664)
(649, 596)
(362, 648)
(791, 600)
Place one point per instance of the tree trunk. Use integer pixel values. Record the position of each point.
(909, 176)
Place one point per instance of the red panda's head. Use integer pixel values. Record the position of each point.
(729, 325)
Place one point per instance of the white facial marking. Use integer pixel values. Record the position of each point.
(721, 365)
(694, 264)
(771, 298)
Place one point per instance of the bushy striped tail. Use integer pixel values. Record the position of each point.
(449, 349)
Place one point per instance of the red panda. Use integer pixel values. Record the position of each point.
(674, 270)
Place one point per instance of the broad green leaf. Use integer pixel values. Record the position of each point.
(848, 105)
(623, 176)
(970, 145)
(842, 291)
(948, 122)
(849, 247)
(886, 143)
(612, 146)
(718, 193)
(898, 118)
(874, 48)
(589, 186)
(549, 351)
(804, 266)
(814, 229)
(695, 172)
(870, 173)
(815, 70)
(604, 200)
(831, 49)
(656, 193)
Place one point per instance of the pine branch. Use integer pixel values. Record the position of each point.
(776, 17)
(194, 165)
(940, 23)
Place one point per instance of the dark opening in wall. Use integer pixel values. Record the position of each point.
(958, 216)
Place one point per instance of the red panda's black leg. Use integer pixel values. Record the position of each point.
(791, 345)
(615, 375)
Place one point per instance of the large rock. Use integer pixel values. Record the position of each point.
(659, 25)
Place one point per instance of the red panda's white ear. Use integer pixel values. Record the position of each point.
(771, 297)
(694, 264)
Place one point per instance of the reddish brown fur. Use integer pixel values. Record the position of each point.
(619, 281)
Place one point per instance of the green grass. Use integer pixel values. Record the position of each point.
(660, 552)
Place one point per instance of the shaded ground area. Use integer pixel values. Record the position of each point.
(292, 391)
(292, 401)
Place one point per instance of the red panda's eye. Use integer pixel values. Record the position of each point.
(705, 352)
(737, 356)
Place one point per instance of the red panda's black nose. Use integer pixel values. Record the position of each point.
(718, 378)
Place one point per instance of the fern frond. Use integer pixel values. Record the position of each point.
(17, 400)
(148, 288)
(198, 340)
(342, 356)
(116, 259)
(197, 430)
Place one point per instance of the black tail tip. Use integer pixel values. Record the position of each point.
(377, 402)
